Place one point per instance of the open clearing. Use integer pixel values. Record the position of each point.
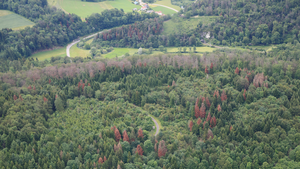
(168, 3)
(46, 55)
(11, 20)
(179, 25)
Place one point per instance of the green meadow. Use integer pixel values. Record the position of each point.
(46, 55)
(179, 25)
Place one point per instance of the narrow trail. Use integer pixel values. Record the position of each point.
(156, 126)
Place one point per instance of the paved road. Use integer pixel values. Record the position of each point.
(156, 126)
(73, 43)
(166, 7)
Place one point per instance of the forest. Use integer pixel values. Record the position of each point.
(231, 108)
(251, 22)
(226, 109)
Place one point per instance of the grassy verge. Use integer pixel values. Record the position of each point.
(11, 20)
(46, 55)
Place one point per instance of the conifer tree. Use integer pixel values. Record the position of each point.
(202, 111)
(237, 71)
(199, 121)
(139, 150)
(117, 134)
(191, 125)
(125, 136)
(140, 133)
(162, 149)
(197, 111)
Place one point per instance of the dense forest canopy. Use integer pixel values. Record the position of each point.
(226, 109)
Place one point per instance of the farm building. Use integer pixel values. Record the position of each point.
(144, 8)
(159, 12)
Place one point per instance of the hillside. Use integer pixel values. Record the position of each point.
(94, 112)
(93, 84)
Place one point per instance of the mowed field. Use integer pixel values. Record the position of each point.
(167, 3)
(85, 9)
(46, 55)
(179, 25)
(11, 20)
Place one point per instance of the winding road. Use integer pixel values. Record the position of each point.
(73, 43)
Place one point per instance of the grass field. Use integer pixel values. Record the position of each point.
(163, 10)
(75, 51)
(46, 55)
(167, 3)
(179, 25)
(11, 20)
